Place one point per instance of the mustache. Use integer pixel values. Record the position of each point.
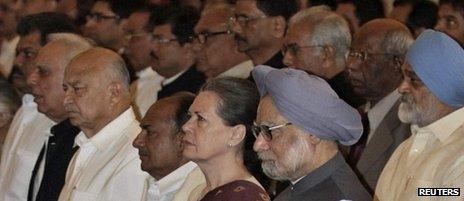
(239, 38)
(69, 108)
(406, 99)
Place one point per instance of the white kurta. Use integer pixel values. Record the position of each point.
(106, 167)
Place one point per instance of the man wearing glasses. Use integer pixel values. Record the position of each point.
(171, 50)
(259, 27)
(451, 19)
(374, 64)
(214, 46)
(317, 41)
(297, 132)
(105, 22)
(137, 52)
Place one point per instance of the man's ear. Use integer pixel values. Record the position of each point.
(238, 135)
(115, 92)
(329, 56)
(279, 26)
(397, 63)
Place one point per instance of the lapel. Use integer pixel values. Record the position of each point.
(110, 156)
(381, 140)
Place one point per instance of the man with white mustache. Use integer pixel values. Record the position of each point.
(432, 101)
(297, 132)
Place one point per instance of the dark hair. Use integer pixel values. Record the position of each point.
(424, 14)
(405, 2)
(9, 96)
(123, 8)
(46, 23)
(330, 3)
(238, 105)
(184, 99)
(182, 20)
(367, 10)
(284, 8)
(458, 5)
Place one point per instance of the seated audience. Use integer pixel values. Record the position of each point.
(317, 41)
(46, 83)
(402, 9)
(259, 29)
(300, 120)
(217, 139)
(171, 52)
(451, 19)
(8, 36)
(160, 146)
(432, 101)
(373, 64)
(214, 45)
(97, 100)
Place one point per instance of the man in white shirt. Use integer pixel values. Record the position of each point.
(432, 101)
(97, 100)
(214, 45)
(160, 146)
(373, 64)
(144, 90)
(29, 129)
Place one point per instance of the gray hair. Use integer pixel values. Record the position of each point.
(329, 28)
(75, 43)
(397, 42)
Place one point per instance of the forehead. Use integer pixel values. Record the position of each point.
(212, 19)
(51, 53)
(367, 39)
(160, 113)
(30, 41)
(268, 112)
(81, 68)
(163, 30)
(247, 7)
(102, 7)
(137, 20)
(206, 102)
(448, 10)
(299, 32)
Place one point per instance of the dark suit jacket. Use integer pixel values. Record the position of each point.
(58, 155)
(390, 133)
(190, 81)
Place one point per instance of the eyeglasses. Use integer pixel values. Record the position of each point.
(203, 37)
(363, 55)
(294, 48)
(266, 130)
(161, 40)
(244, 20)
(100, 17)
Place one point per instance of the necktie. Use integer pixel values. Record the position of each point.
(30, 192)
(357, 149)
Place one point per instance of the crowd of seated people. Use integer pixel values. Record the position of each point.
(231, 100)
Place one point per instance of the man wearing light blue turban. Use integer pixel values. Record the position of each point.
(432, 101)
(300, 120)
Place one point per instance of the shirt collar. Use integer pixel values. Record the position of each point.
(175, 179)
(28, 99)
(445, 126)
(378, 112)
(173, 78)
(111, 131)
(241, 70)
(145, 73)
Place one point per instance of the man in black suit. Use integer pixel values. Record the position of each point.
(171, 55)
(45, 81)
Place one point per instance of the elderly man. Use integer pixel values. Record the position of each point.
(432, 101)
(160, 146)
(148, 83)
(373, 63)
(171, 50)
(259, 27)
(297, 132)
(317, 41)
(97, 100)
(29, 129)
(451, 19)
(46, 80)
(215, 48)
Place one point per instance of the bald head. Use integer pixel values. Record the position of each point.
(105, 64)
(392, 36)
